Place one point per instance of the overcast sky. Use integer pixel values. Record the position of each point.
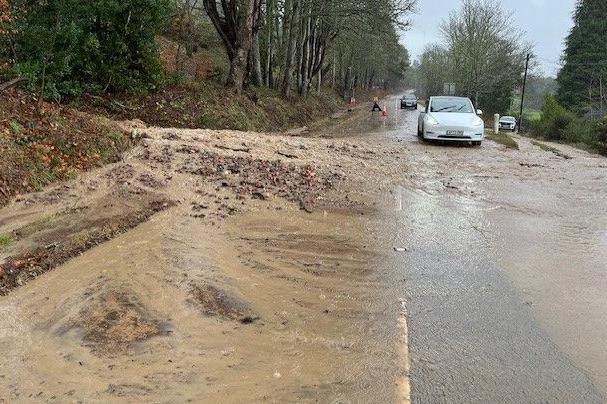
(545, 22)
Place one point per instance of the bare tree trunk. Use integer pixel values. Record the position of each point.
(305, 57)
(287, 82)
(257, 76)
(236, 25)
(269, 50)
(319, 83)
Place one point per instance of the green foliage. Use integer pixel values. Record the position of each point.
(560, 124)
(538, 88)
(554, 121)
(15, 127)
(97, 45)
(580, 130)
(601, 130)
(584, 73)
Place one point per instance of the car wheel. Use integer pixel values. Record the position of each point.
(477, 143)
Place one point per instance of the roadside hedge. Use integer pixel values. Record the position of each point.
(559, 124)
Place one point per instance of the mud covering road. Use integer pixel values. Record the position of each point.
(355, 264)
(206, 266)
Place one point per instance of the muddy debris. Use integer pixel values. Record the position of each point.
(258, 179)
(531, 165)
(287, 154)
(217, 303)
(244, 148)
(17, 270)
(150, 181)
(115, 320)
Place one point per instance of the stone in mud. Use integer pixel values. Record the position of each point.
(215, 302)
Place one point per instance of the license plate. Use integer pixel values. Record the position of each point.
(455, 133)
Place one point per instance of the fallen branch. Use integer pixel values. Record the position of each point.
(11, 83)
(236, 149)
(287, 154)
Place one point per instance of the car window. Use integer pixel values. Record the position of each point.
(451, 105)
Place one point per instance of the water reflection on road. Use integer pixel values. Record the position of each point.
(506, 278)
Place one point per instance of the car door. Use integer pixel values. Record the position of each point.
(420, 119)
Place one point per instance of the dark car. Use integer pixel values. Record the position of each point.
(408, 101)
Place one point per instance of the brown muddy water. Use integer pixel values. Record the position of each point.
(228, 291)
(139, 318)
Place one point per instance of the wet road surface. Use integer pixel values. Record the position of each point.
(478, 272)
(505, 271)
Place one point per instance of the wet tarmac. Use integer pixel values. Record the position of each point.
(505, 272)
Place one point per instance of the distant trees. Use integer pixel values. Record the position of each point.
(434, 70)
(538, 88)
(583, 78)
(293, 45)
(482, 53)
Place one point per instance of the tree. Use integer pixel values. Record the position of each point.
(486, 53)
(538, 88)
(434, 70)
(582, 80)
(237, 23)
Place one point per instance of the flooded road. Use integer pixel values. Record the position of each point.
(356, 265)
(506, 272)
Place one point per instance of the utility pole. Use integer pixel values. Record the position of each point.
(520, 115)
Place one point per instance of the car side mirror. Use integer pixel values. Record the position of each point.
(479, 112)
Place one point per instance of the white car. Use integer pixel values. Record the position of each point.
(451, 118)
(507, 123)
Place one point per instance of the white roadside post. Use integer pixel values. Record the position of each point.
(496, 123)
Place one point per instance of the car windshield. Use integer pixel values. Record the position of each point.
(508, 119)
(451, 105)
(409, 97)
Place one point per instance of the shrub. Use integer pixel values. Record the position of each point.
(554, 121)
(580, 131)
(93, 45)
(601, 130)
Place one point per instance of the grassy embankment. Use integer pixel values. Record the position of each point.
(503, 139)
(209, 105)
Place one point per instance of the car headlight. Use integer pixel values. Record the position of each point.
(430, 120)
(478, 122)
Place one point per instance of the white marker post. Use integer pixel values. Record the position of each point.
(496, 123)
